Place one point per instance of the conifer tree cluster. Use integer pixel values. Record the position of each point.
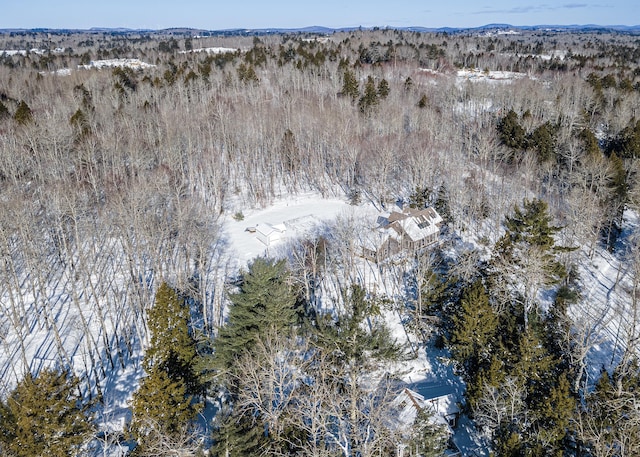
(519, 386)
(166, 402)
(298, 385)
(45, 416)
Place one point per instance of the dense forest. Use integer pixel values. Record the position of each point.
(127, 326)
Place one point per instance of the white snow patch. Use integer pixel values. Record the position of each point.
(214, 50)
(112, 63)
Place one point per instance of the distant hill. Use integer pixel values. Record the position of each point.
(316, 29)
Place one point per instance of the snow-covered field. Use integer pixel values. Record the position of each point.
(112, 63)
(214, 50)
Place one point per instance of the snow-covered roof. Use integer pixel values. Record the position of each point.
(415, 224)
(439, 398)
(267, 229)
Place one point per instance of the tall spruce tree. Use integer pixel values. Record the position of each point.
(527, 254)
(44, 416)
(23, 114)
(265, 302)
(354, 344)
(237, 435)
(264, 305)
(370, 97)
(163, 404)
(161, 407)
(350, 86)
(474, 327)
(511, 132)
(172, 347)
(4, 111)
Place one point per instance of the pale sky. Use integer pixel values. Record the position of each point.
(218, 15)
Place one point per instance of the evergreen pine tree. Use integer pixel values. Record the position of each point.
(370, 97)
(442, 204)
(590, 142)
(236, 435)
(265, 301)
(543, 141)
(383, 88)
(555, 413)
(163, 404)
(511, 132)
(528, 254)
(160, 406)
(420, 197)
(350, 340)
(172, 347)
(427, 438)
(475, 325)
(23, 114)
(350, 86)
(44, 416)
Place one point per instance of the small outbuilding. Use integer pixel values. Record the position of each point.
(270, 233)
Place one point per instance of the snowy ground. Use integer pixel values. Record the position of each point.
(303, 215)
(605, 281)
(300, 214)
(112, 63)
(217, 50)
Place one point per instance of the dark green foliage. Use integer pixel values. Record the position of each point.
(87, 98)
(369, 99)
(529, 232)
(427, 439)
(511, 132)
(23, 114)
(160, 406)
(543, 142)
(350, 86)
(442, 204)
(611, 412)
(80, 122)
(533, 364)
(630, 139)
(507, 443)
(163, 403)
(590, 142)
(616, 202)
(237, 435)
(172, 348)
(408, 84)
(44, 416)
(125, 80)
(170, 45)
(348, 337)
(265, 302)
(473, 337)
(420, 197)
(556, 410)
(626, 143)
(383, 88)
(423, 102)
(531, 225)
(247, 74)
